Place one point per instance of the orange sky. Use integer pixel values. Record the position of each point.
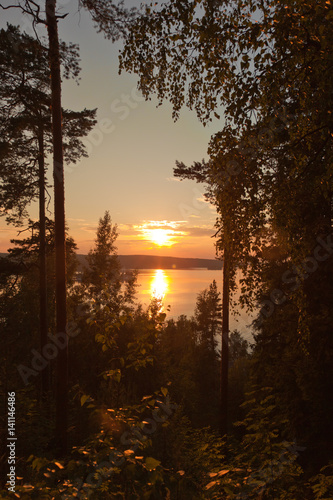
(132, 153)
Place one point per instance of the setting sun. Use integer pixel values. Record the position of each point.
(161, 233)
(161, 237)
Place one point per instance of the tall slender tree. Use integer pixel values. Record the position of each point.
(26, 120)
(239, 223)
(104, 15)
(43, 324)
(59, 218)
(114, 21)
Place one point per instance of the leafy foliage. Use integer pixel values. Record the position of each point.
(112, 19)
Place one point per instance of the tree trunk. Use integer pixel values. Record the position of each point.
(225, 344)
(59, 216)
(42, 262)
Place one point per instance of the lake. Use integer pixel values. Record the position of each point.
(179, 288)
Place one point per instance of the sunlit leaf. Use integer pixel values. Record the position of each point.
(164, 391)
(211, 484)
(151, 463)
(223, 472)
(84, 399)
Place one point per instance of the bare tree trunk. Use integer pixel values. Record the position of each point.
(42, 261)
(225, 344)
(59, 215)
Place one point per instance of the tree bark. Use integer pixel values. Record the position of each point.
(59, 216)
(45, 375)
(225, 344)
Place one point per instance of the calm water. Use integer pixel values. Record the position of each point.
(179, 289)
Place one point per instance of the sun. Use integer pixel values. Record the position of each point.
(161, 237)
(161, 233)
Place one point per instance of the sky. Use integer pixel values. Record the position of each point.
(132, 153)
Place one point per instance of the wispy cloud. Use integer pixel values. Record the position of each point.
(9, 230)
(173, 179)
(89, 228)
(200, 231)
(75, 220)
(181, 228)
(160, 224)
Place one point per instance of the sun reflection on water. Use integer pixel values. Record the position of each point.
(159, 285)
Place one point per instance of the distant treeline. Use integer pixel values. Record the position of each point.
(157, 262)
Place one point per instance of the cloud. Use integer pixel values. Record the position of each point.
(143, 230)
(200, 231)
(195, 231)
(128, 230)
(160, 224)
(89, 228)
(9, 230)
(173, 179)
(175, 229)
(130, 242)
(202, 199)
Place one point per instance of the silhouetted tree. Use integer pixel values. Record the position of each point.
(112, 20)
(103, 265)
(26, 122)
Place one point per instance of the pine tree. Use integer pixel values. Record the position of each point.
(103, 265)
(208, 317)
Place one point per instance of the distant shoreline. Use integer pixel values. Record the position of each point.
(142, 262)
(173, 269)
